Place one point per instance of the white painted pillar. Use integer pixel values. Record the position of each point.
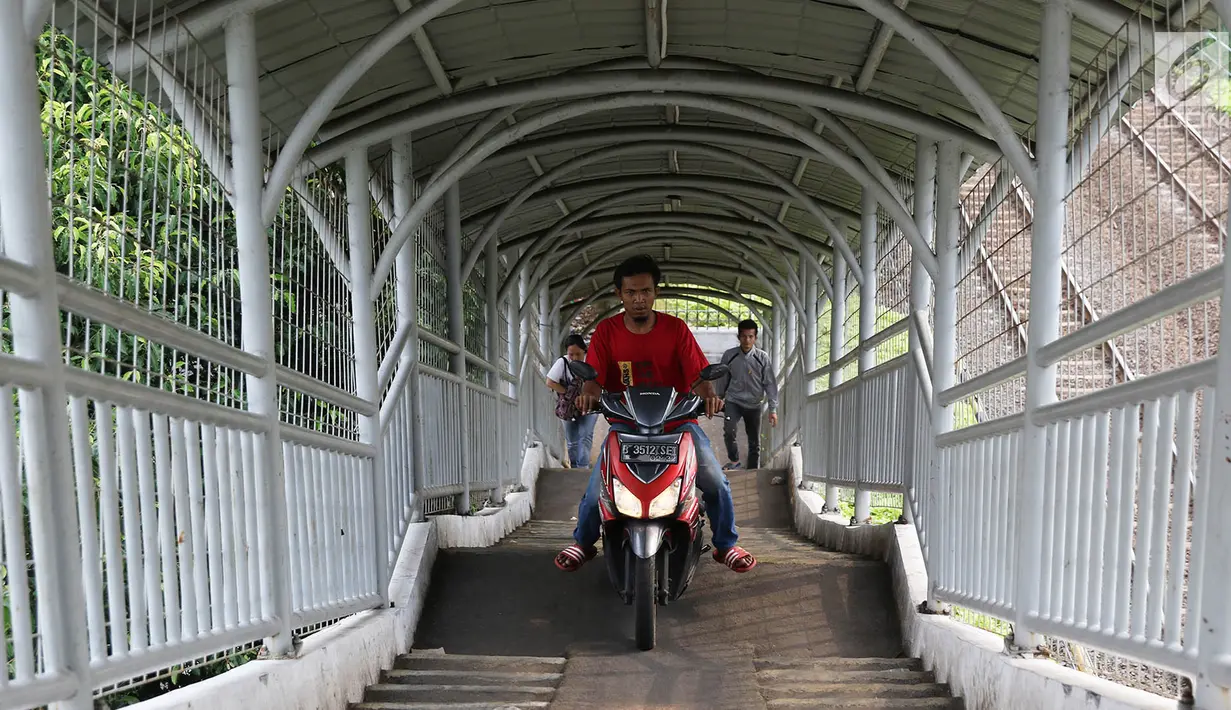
(25, 221)
(457, 332)
(1044, 327)
(408, 308)
(867, 320)
(837, 320)
(247, 156)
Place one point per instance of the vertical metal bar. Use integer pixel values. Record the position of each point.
(457, 331)
(867, 319)
(837, 317)
(1044, 326)
(491, 282)
(920, 295)
(257, 324)
(408, 309)
(944, 325)
(811, 307)
(25, 221)
(367, 363)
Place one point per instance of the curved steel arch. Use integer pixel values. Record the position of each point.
(926, 42)
(709, 237)
(612, 310)
(738, 205)
(676, 292)
(318, 111)
(569, 86)
(787, 187)
(790, 280)
(741, 268)
(679, 266)
(663, 218)
(702, 236)
(590, 137)
(435, 189)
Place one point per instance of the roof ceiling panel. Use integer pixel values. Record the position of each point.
(303, 43)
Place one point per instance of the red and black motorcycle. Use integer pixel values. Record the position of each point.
(652, 513)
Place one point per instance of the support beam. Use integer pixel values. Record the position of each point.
(867, 320)
(657, 180)
(342, 82)
(944, 318)
(876, 52)
(655, 32)
(693, 234)
(408, 307)
(550, 117)
(933, 49)
(457, 332)
(724, 84)
(55, 530)
(757, 216)
(1044, 325)
(163, 38)
(427, 52)
(257, 335)
(837, 341)
(367, 362)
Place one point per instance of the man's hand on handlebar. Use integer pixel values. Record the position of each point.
(713, 403)
(587, 401)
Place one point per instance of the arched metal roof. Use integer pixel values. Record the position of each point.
(952, 69)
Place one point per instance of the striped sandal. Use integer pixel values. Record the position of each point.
(574, 556)
(737, 558)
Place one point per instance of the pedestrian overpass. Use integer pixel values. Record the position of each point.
(276, 434)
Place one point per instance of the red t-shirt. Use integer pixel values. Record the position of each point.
(667, 356)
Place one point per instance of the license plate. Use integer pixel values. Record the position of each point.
(649, 453)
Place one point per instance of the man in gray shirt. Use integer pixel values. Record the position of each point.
(745, 391)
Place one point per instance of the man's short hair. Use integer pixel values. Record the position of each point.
(635, 266)
(746, 324)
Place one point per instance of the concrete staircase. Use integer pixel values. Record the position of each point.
(434, 680)
(869, 683)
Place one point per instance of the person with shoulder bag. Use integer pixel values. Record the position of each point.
(578, 427)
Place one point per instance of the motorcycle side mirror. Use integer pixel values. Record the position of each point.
(582, 370)
(716, 371)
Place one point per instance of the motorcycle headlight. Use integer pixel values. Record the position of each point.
(665, 503)
(625, 501)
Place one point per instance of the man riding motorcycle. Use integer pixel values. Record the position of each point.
(644, 348)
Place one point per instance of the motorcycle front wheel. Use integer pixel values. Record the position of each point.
(645, 598)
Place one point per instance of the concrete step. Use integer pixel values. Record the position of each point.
(884, 691)
(787, 676)
(495, 705)
(434, 680)
(834, 663)
(470, 676)
(448, 693)
(868, 703)
(794, 682)
(428, 660)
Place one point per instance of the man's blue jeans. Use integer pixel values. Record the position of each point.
(579, 435)
(715, 491)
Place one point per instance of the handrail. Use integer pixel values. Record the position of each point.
(877, 338)
(1164, 302)
(979, 383)
(85, 301)
(1198, 374)
(18, 278)
(305, 384)
(319, 440)
(982, 430)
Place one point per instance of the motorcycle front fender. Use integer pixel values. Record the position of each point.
(645, 537)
